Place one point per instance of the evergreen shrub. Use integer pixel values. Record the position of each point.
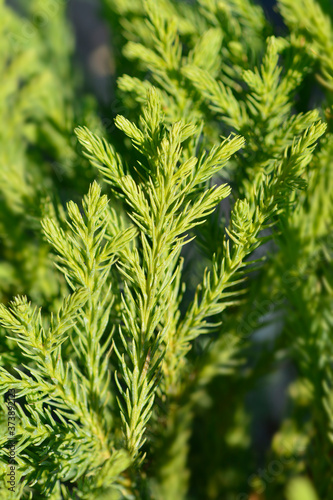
(166, 282)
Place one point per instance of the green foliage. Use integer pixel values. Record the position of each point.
(202, 275)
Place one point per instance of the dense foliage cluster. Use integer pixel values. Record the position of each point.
(161, 277)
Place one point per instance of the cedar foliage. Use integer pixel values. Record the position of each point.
(157, 279)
